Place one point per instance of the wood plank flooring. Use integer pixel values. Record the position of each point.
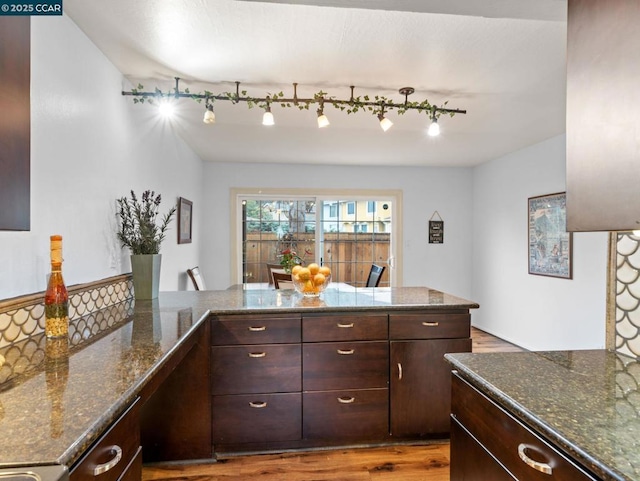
(427, 462)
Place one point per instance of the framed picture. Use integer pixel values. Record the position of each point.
(185, 221)
(549, 242)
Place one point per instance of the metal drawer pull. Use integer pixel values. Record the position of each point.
(346, 400)
(430, 324)
(542, 467)
(103, 468)
(399, 371)
(345, 325)
(257, 354)
(258, 328)
(345, 352)
(260, 404)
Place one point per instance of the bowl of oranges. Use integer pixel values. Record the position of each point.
(310, 280)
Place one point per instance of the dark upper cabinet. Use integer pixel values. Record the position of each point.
(15, 122)
(603, 115)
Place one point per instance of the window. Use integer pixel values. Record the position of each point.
(347, 234)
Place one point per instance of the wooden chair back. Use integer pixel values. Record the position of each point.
(196, 278)
(282, 280)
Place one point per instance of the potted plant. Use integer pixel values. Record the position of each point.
(142, 232)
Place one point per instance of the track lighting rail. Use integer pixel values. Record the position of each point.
(379, 105)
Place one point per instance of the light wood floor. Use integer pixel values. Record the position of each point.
(428, 462)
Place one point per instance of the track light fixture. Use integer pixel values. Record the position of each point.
(385, 123)
(377, 105)
(267, 117)
(323, 121)
(209, 115)
(434, 128)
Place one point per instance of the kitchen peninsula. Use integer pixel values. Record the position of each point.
(168, 356)
(545, 415)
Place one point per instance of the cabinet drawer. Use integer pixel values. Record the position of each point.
(345, 328)
(429, 326)
(344, 415)
(255, 369)
(229, 330)
(118, 447)
(503, 436)
(345, 365)
(257, 418)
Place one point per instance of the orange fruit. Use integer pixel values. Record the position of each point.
(319, 279)
(325, 271)
(304, 274)
(313, 268)
(295, 269)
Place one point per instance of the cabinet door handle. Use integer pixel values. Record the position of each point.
(399, 371)
(346, 352)
(257, 328)
(430, 324)
(258, 404)
(257, 354)
(542, 467)
(117, 456)
(345, 325)
(346, 400)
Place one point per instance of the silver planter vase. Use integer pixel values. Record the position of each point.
(145, 269)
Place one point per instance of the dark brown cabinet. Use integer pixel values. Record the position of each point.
(420, 377)
(322, 379)
(486, 439)
(117, 455)
(345, 383)
(256, 379)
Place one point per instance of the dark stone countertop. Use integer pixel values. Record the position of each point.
(586, 402)
(57, 398)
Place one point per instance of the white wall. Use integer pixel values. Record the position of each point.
(536, 312)
(425, 190)
(89, 146)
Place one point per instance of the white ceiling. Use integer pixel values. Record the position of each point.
(501, 60)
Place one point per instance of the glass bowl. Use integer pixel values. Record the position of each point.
(311, 287)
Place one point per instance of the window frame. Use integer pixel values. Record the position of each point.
(237, 194)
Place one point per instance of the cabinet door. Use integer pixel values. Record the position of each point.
(421, 386)
(470, 461)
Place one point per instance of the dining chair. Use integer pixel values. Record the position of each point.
(374, 275)
(271, 268)
(282, 280)
(196, 278)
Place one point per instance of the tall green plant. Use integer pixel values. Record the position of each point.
(139, 230)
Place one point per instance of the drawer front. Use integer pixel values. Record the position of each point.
(257, 418)
(232, 330)
(346, 415)
(122, 440)
(256, 369)
(326, 328)
(503, 436)
(429, 326)
(345, 365)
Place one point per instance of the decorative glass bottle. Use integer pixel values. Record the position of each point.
(56, 298)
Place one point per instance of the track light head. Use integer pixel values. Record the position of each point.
(323, 121)
(267, 117)
(385, 123)
(166, 108)
(434, 128)
(209, 115)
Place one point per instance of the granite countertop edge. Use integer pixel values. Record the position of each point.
(75, 451)
(523, 414)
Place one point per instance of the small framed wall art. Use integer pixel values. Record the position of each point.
(185, 221)
(550, 249)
